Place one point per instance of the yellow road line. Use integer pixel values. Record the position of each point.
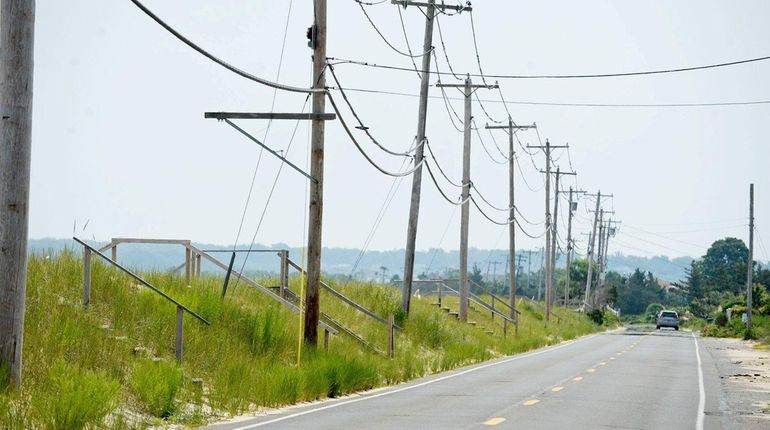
(557, 389)
(494, 421)
(591, 370)
(578, 379)
(612, 358)
(531, 402)
(602, 363)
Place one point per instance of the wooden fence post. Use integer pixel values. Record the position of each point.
(439, 295)
(326, 340)
(187, 264)
(114, 253)
(391, 337)
(285, 274)
(179, 334)
(197, 265)
(493, 308)
(86, 277)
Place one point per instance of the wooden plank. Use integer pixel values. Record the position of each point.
(117, 240)
(270, 115)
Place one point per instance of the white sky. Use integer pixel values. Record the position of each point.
(119, 138)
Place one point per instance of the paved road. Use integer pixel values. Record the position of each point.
(629, 379)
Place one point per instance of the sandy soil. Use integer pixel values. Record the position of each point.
(744, 375)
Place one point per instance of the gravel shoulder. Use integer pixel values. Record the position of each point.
(744, 378)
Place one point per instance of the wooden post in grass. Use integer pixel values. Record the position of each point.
(198, 265)
(179, 334)
(326, 340)
(439, 295)
(284, 254)
(187, 264)
(391, 338)
(493, 309)
(114, 253)
(505, 327)
(86, 277)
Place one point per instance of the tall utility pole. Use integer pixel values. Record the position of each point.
(570, 245)
(554, 237)
(548, 226)
(511, 127)
(749, 275)
(468, 88)
(317, 127)
(17, 30)
(592, 244)
(568, 267)
(414, 205)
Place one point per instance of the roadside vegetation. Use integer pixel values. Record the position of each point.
(711, 298)
(112, 366)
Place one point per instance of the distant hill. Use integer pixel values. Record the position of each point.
(341, 261)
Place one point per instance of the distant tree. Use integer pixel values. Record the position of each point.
(475, 275)
(395, 278)
(638, 292)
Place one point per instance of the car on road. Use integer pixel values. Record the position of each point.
(667, 319)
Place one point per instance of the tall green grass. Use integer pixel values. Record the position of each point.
(123, 345)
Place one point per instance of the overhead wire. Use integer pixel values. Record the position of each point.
(572, 104)
(361, 125)
(361, 149)
(582, 76)
(219, 61)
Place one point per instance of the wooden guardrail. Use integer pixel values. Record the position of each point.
(88, 251)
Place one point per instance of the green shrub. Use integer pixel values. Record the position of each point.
(652, 311)
(156, 384)
(597, 316)
(75, 398)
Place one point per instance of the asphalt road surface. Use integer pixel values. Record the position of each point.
(626, 379)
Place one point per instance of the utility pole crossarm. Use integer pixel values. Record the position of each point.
(508, 127)
(474, 86)
(270, 115)
(458, 8)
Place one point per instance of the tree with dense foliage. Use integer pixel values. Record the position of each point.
(724, 265)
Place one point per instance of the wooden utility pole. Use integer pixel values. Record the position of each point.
(554, 237)
(749, 275)
(592, 243)
(568, 267)
(17, 30)
(511, 127)
(548, 226)
(468, 88)
(414, 205)
(315, 216)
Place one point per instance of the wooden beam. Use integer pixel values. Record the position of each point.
(270, 115)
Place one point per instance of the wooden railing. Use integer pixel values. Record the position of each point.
(88, 251)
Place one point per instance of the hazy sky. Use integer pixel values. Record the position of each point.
(119, 139)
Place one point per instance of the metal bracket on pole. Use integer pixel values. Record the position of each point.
(458, 8)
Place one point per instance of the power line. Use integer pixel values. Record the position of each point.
(222, 63)
(590, 105)
(577, 76)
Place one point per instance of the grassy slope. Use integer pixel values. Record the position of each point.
(81, 368)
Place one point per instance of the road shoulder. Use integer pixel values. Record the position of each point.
(743, 375)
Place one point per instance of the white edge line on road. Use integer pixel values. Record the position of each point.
(411, 387)
(701, 390)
